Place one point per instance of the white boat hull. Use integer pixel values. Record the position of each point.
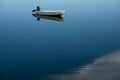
(50, 13)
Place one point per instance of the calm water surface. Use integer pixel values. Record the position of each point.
(83, 47)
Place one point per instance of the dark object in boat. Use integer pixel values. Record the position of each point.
(38, 8)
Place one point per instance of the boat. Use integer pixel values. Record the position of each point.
(54, 18)
(49, 12)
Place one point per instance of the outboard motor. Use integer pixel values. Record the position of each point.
(37, 9)
(33, 10)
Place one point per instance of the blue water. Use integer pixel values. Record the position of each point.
(36, 50)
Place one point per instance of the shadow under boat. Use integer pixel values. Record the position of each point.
(49, 17)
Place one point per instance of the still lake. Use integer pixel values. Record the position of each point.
(85, 46)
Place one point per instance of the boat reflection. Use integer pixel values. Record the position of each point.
(54, 18)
